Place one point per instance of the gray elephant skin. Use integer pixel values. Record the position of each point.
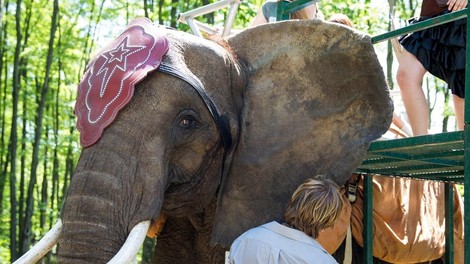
(300, 98)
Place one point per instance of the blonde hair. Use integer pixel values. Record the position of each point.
(314, 206)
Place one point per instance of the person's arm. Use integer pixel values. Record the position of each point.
(456, 5)
(259, 19)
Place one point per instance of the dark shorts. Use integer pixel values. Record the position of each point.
(441, 51)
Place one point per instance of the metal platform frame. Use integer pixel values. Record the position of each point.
(438, 157)
(430, 157)
(197, 26)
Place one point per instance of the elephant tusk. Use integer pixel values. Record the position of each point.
(43, 246)
(132, 245)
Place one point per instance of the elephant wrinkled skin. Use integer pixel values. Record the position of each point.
(300, 97)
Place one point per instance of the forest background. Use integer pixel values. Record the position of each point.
(44, 48)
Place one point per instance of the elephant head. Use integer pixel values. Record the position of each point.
(216, 136)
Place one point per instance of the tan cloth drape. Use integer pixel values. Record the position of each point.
(408, 220)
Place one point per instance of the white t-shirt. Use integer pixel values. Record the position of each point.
(273, 243)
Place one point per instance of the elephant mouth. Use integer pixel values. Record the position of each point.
(182, 199)
(193, 195)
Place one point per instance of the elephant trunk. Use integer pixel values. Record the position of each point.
(78, 243)
(73, 253)
(107, 198)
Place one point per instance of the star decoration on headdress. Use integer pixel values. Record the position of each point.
(116, 59)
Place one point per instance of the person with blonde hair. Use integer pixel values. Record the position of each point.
(315, 206)
(268, 12)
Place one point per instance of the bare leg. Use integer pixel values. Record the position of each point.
(404, 126)
(397, 121)
(410, 77)
(459, 105)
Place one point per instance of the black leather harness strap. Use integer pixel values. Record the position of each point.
(220, 120)
(192, 80)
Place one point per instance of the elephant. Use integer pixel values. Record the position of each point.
(210, 137)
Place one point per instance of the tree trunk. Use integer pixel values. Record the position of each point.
(1, 16)
(146, 12)
(91, 30)
(445, 120)
(26, 103)
(98, 19)
(44, 186)
(173, 16)
(210, 16)
(3, 94)
(160, 11)
(38, 129)
(69, 165)
(22, 173)
(428, 95)
(14, 135)
(55, 167)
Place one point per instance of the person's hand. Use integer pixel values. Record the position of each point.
(456, 5)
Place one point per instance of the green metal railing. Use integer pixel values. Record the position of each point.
(285, 9)
(436, 21)
(438, 157)
(433, 157)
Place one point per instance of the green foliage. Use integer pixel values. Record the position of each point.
(365, 16)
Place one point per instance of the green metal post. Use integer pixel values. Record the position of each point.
(285, 9)
(467, 149)
(367, 220)
(281, 14)
(449, 215)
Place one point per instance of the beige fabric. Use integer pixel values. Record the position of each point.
(331, 238)
(408, 220)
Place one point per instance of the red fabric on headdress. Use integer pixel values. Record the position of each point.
(109, 81)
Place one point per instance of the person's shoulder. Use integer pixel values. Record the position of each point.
(258, 230)
(260, 234)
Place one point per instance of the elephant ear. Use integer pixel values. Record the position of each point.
(316, 98)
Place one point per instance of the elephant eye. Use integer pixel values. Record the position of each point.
(187, 122)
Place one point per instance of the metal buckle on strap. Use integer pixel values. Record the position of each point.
(352, 188)
(352, 191)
